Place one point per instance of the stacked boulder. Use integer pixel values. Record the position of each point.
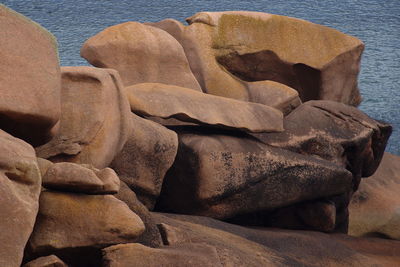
(226, 119)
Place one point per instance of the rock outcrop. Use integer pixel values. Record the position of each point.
(375, 207)
(94, 122)
(19, 194)
(30, 78)
(141, 54)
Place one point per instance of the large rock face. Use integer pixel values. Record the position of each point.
(68, 223)
(335, 132)
(140, 53)
(221, 176)
(19, 194)
(146, 157)
(94, 123)
(29, 78)
(158, 100)
(375, 207)
(319, 62)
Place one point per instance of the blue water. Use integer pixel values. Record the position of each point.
(376, 23)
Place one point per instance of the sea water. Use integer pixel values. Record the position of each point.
(376, 23)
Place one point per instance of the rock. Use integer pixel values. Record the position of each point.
(140, 53)
(72, 177)
(151, 236)
(335, 132)
(48, 261)
(242, 246)
(19, 190)
(163, 101)
(72, 223)
(145, 158)
(223, 176)
(94, 123)
(227, 49)
(196, 255)
(29, 82)
(375, 207)
(44, 165)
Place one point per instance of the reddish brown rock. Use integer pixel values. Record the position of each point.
(48, 261)
(146, 157)
(222, 176)
(69, 224)
(255, 46)
(196, 255)
(140, 53)
(72, 177)
(375, 207)
(19, 194)
(165, 101)
(29, 78)
(94, 123)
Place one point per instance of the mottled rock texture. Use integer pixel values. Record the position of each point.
(47, 261)
(29, 79)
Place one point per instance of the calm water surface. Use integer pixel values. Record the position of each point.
(376, 23)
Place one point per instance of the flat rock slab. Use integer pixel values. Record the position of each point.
(221, 176)
(72, 177)
(165, 101)
(29, 78)
(20, 182)
(147, 155)
(94, 122)
(375, 207)
(140, 53)
(69, 221)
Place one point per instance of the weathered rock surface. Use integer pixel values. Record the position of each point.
(95, 121)
(222, 176)
(29, 81)
(147, 155)
(140, 53)
(19, 194)
(151, 236)
(72, 177)
(335, 132)
(375, 207)
(48, 261)
(241, 246)
(197, 255)
(158, 100)
(319, 62)
(68, 223)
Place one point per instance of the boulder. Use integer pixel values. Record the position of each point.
(222, 176)
(242, 246)
(196, 255)
(228, 49)
(48, 261)
(69, 224)
(147, 155)
(19, 194)
(94, 123)
(375, 207)
(72, 177)
(334, 132)
(151, 236)
(165, 101)
(140, 53)
(29, 81)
